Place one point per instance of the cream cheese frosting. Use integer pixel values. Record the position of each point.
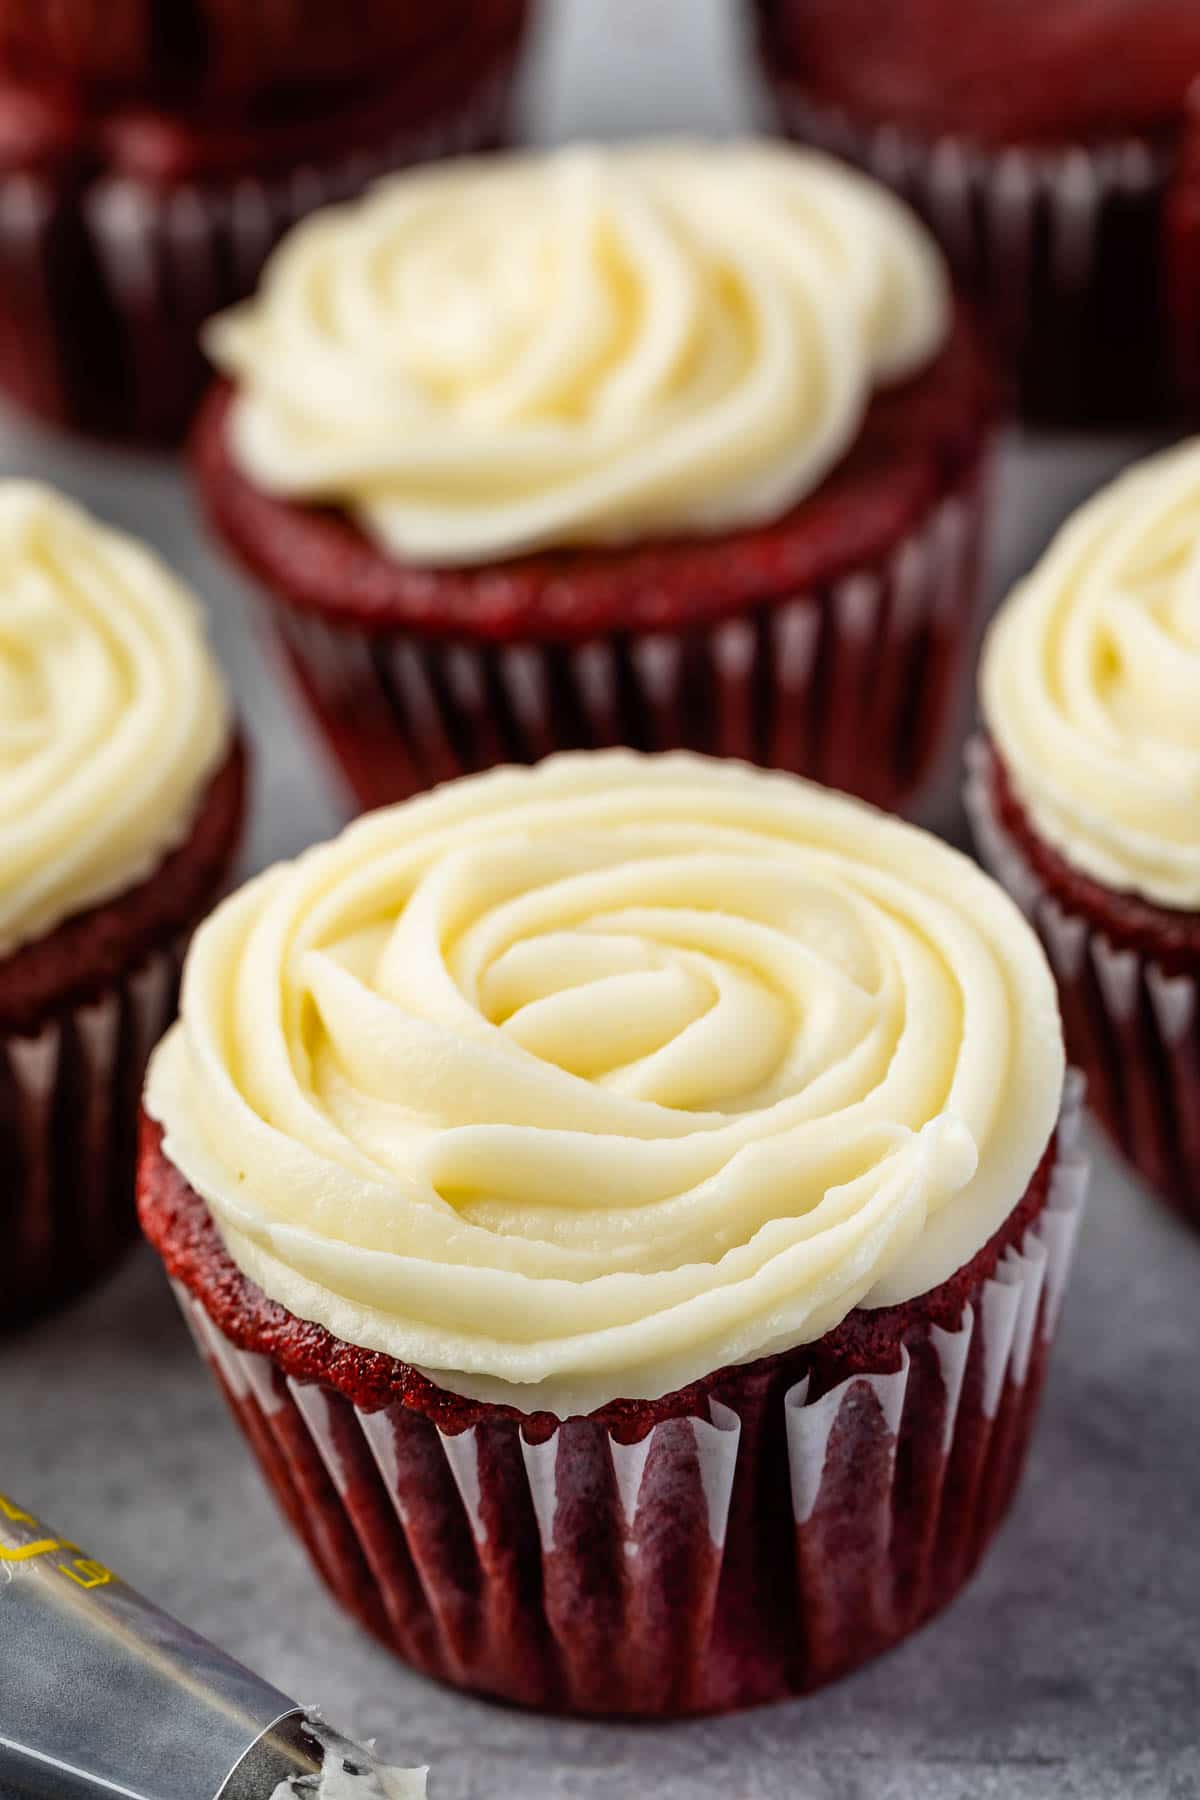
(351, 1771)
(583, 1081)
(588, 346)
(112, 712)
(1091, 684)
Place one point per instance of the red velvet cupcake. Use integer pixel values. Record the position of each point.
(121, 800)
(145, 176)
(1086, 800)
(674, 446)
(1038, 142)
(626, 1206)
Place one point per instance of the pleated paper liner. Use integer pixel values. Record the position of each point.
(77, 1028)
(712, 1562)
(69, 1098)
(858, 683)
(1062, 245)
(1132, 1026)
(104, 289)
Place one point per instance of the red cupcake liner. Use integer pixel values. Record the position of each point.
(81, 1008)
(855, 682)
(105, 284)
(1062, 245)
(714, 1561)
(1131, 1025)
(69, 1095)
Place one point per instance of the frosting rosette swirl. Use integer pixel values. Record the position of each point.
(1091, 684)
(589, 346)
(579, 1082)
(112, 712)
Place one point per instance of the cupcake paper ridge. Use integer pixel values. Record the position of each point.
(586, 347)
(582, 1081)
(113, 716)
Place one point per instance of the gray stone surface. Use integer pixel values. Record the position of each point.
(1072, 1666)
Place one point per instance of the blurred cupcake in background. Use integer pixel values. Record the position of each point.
(672, 445)
(1183, 259)
(121, 800)
(1038, 141)
(1086, 799)
(626, 1204)
(151, 156)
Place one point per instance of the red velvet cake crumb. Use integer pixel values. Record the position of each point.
(1128, 976)
(183, 1231)
(728, 1545)
(830, 643)
(87, 953)
(1127, 920)
(915, 444)
(81, 1008)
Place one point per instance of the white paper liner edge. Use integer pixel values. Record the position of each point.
(1026, 1288)
(1069, 937)
(145, 995)
(405, 680)
(956, 183)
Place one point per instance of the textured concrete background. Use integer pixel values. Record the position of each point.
(1070, 1669)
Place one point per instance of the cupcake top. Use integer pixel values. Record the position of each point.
(580, 1082)
(1091, 685)
(112, 712)
(590, 346)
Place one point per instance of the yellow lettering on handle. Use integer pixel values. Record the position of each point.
(85, 1573)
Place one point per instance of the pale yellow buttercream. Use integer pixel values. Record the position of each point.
(582, 1081)
(578, 347)
(1091, 684)
(112, 712)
